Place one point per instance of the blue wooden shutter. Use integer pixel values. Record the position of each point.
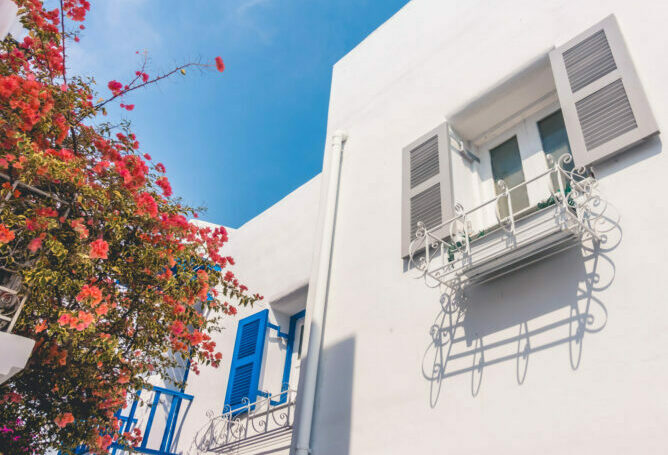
(247, 360)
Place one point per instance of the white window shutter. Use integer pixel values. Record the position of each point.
(427, 184)
(604, 106)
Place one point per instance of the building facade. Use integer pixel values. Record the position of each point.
(566, 354)
(479, 266)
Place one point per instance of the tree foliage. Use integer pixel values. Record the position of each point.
(120, 285)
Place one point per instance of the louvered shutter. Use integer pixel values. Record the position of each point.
(604, 106)
(247, 360)
(427, 184)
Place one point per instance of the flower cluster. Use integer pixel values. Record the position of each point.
(117, 274)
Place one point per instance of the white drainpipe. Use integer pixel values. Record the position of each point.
(307, 386)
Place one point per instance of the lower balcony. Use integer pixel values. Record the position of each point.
(264, 426)
(16, 350)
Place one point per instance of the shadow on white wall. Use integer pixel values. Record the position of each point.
(552, 303)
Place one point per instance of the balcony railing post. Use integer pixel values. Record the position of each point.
(289, 401)
(247, 416)
(510, 211)
(228, 425)
(266, 415)
(562, 190)
(466, 235)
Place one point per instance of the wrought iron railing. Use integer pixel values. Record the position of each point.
(444, 253)
(13, 294)
(253, 423)
(11, 299)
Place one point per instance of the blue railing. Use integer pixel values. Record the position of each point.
(129, 422)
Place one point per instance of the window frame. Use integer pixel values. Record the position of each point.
(532, 154)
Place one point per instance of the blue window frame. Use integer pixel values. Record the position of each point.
(246, 365)
(292, 333)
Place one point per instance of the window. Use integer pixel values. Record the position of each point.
(294, 353)
(507, 166)
(583, 98)
(555, 140)
(264, 357)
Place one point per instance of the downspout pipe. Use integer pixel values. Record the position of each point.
(307, 385)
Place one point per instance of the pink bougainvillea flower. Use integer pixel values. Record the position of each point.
(85, 319)
(160, 168)
(129, 107)
(47, 212)
(146, 205)
(104, 441)
(99, 249)
(11, 397)
(123, 378)
(64, 319)
(163, 183)
(40, 327)
(64, 419)
(90, 294)
(36, 243)
(177, 327)
(80, 228)
(6, 235)
(114, 86)
(102, 309)
(220, 66)
(202, 275)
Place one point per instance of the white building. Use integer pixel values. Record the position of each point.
(538, 326)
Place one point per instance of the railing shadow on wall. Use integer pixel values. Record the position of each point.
(552, 303)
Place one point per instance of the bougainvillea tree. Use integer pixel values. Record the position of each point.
(121, 287)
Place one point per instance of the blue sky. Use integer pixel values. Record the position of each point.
(240, 141)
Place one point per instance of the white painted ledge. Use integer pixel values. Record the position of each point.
(15, 352)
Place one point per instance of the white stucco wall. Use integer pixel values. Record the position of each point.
(594, 391)
(272, 253)
(9, 22)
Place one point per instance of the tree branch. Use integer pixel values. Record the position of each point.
(151, 81)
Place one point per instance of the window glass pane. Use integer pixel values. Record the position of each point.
(507, 166)
(555, 140)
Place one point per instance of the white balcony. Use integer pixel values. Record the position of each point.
(455, 253)
(264, 425)
(16, 349)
